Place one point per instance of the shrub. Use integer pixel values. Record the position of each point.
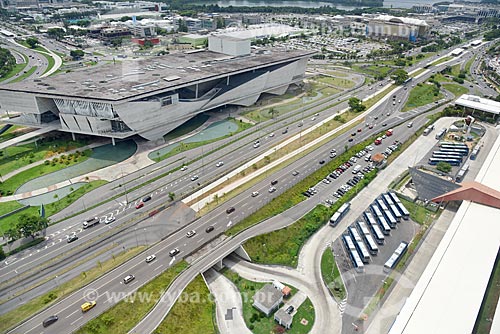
(46, 162)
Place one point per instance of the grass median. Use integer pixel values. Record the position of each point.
(18, 68)
(124, 315)
(10, 319)
(331, 275)
(195, 302)
(455, 89)
(422, 95)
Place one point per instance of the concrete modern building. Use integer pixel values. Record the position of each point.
(385, 26)
(284, 319)
(150, 97)
(267, 299)
(476, 103)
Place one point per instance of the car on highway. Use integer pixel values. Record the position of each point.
(128, 279)
(147, 198)
(256, 145)
(272, 189)
(353, 134)
(255, 193)
(321, 162)
(209, 229)
(285, 131)
(194, 177)
(183, 168)
(333, 155)
(384, 124)
(174, 252)
(88, 305)
(295, 173)
(359, 130)
(139, 205)
(231, 209)
(50, 320)
(150, 258)
(72, 237)
(410, 124)
(190, 233)
(350, 140)
(219, 164)
(370, 126)
(110, 220)
(274, 182)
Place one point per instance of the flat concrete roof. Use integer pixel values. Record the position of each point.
(479, 103)
(448, 295)
(141, 78)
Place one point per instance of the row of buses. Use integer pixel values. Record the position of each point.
(363, 238)
(449, 152)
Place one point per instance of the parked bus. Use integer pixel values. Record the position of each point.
(435, 161)
(386, 229)
(395, 212)
(363, 229)
(461, 151)
(381, 205)
(475, 152)
(377, 234)
(391, 220)
(394, 197)
(348, 243)
(376, 211)
(455, 144)
(358, 242)
(405, 213)
(372, 245)
(446, 156)
(461, 173)
(341, 212)
(354, 234)
(369, 218)
(453, 153)
(396, 256)
(356, 261)
(387, 199)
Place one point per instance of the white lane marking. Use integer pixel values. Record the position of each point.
(161, 265)
(72, 313)
(75, 321)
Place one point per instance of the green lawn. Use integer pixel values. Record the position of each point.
(456, 89)
(16, 69)
(331, 275)
(469, 64)
(337, 82)
(51, 208)
(10, 185)
(337, 73)
(260, 324)
(123, 316)
(421, 95)
(50, 61)
(194, 303)
(25, 75)
(306, 312)
(413, 75)
(15, 157)
(283, 246)
(373, 70)
(418, 213)
(7, 207)
(28, 309)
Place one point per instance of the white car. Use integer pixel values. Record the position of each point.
(150, 258)
(194, 177)
(272, 189)
(271, 134)
(190, 233)
(183, 168)
(110, 220)
(255, 194)
(219, 164)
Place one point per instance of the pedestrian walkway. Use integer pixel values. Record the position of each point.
(228, 301)
(29, 135)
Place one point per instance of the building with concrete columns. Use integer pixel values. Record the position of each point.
(150, 97)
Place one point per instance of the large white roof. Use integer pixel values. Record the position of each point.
(479, 103)
(448, 295)
(407, 20)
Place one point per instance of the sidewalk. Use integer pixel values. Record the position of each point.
(229, 304)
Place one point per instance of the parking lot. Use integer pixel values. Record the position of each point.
(361, 286)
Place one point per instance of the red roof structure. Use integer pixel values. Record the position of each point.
(474, 192)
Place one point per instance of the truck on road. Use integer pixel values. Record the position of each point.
(90, 222)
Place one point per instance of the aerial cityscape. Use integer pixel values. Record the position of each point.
(248, 166)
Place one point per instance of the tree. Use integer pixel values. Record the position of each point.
(400, 76)
(148, 44)
(29, 225)
(443, 167)
(57, 33)
(32, 42)
(171, 196)
(356, 105)
(76, 54)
